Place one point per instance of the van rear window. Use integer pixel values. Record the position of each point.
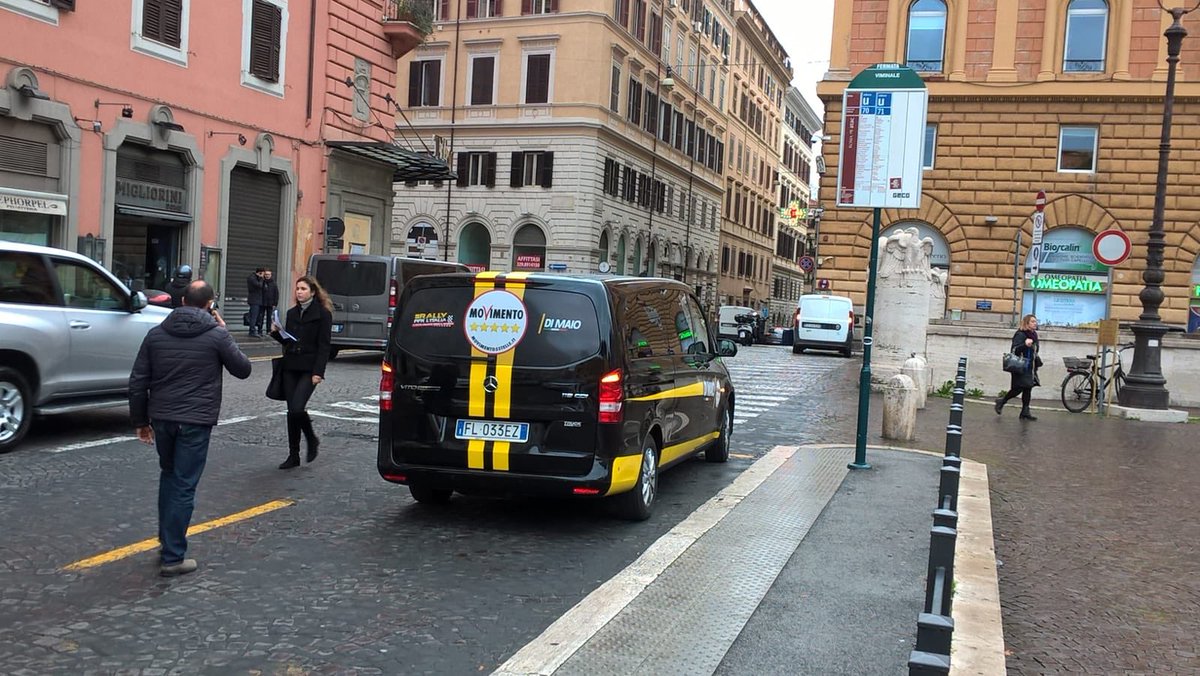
(547, 328)
(352, 278)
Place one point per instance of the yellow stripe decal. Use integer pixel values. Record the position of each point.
(152, 543)
(677, 450)
(624, 473)
(502, 401)
(694, 390)
(477, 403)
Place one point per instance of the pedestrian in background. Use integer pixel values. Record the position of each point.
(179, 284)
(174, 402)
(305, 337)
(1024, 344)
(270, 299)
(254, 298)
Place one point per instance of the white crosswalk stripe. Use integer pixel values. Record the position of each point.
(765, 377)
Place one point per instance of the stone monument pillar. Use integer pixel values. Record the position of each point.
(937, 293)
(902, 301)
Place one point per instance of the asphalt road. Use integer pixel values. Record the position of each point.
(345, 572)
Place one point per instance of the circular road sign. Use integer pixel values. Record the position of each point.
(1111, 247)
(807, 263)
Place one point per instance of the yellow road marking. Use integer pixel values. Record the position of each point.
(152, 543)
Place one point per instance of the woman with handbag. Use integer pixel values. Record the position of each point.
(305, 338)
(1025, 345)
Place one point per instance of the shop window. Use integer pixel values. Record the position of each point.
(1077, 149)
(926, 35)
(1086, 39)
(264, 43)
(160, 28)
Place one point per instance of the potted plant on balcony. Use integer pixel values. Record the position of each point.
(417, 12)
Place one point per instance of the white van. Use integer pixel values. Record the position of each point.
(729, 327)
(824, 323)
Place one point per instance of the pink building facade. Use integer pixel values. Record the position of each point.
(153, 133)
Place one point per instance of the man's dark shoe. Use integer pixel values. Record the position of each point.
(292, 461)
(313, 444)
(182, 568)
(1026, 415)
(999, 405)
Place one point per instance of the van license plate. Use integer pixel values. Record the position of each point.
(818, 325)
(337, 328)
(490, 430)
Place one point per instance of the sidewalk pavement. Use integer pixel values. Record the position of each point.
(799, 567)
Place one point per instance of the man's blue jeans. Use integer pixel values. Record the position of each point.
(256, 319)
(182, 452)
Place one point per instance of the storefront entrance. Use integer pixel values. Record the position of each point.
(1070, 287)
(153, 214)
(32, 208)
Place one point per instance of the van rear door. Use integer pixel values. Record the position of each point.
(824, 319)
(358, 287)
(497, 373)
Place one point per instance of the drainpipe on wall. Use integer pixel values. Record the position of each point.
(453, 116)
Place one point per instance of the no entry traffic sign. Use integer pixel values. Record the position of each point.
(1111, 247)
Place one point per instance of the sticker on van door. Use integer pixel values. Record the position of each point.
(495, 321)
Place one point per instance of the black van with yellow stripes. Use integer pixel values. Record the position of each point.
(552, 385)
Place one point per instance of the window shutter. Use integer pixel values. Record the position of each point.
(431, 83)
(537, 79)
(526, 6)
(547, 170)
(265, 31)
(491, 170)
(463, 169)
(553, 5)
(152, 20)
(472, 9)
(444, 10)
(498, 8)
(414, 84)
(517, 179)
(482, 75)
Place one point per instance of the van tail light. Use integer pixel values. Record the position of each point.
(392, 293)
(797, 316)
(851, 318)
(612, 397)
(387, 383)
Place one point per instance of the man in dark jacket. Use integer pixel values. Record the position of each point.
(179, 284)
(270, 299)
(174, 401)
(254, 298)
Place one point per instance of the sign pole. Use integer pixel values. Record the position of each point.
(1036, 248)
(864, 376)
(1016, 278)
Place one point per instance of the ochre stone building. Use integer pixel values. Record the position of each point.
(1064, 96)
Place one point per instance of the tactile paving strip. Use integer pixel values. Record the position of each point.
(686, 620)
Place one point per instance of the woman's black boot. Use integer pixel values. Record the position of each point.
(310, 438)
(999, 405)
(1026, 415)
(293, 460)
(293, 428)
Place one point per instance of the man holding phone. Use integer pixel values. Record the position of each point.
(174, 401)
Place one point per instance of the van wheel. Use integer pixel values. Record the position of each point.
(333, 353)
(796, 349)
(430, 496)
(16, 409)
(719, 451)
(636, 504)
(847, 351)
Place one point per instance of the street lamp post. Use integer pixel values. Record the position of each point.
(1145, 386)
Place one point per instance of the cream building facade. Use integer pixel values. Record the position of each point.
(587, 135)
(1064, 96)
(798, 188)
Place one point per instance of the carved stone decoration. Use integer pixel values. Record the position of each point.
(906, 253)
(902, 301)
(938, 279)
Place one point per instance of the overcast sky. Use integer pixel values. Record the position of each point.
(803, 27)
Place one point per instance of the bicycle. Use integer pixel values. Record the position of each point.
(1084, 378)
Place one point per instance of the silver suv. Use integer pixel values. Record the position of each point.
(69, 332)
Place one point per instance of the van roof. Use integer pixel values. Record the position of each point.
(572, 279)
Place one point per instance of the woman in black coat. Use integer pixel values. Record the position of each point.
(1024, 344)
(305, 352)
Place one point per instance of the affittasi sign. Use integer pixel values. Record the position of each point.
(1066, 283)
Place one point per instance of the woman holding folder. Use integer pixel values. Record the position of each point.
(305, 338)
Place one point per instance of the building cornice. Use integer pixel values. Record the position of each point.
(1128, 91)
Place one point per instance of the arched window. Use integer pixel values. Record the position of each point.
(926, 35)
(529, 248)
(422, 241)
(475, 247)
(603, 247)
(621, 254)
(1087, 33)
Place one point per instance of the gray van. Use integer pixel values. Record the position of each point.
(364, 289)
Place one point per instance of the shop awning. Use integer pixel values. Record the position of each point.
(409, 165)
(147, 212)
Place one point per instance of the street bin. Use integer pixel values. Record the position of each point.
(788, 336)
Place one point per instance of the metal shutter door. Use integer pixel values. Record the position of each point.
(254, 221)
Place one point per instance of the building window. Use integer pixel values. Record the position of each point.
(666, 42)
(477, 169)
(926, 35)
(483, 80)
(35, 9)
(483, 9)
(536, 82)
(160, 28)
(1077, 149)
(424, 83)
(634, 97)
(532, 168)
(614, 95)
(1087, 28)
(264, 40)
(539, 6)
(930, 149)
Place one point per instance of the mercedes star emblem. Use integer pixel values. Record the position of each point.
(490, 384)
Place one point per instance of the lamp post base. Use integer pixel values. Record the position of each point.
(1145, 386)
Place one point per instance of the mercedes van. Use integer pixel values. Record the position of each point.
(364, 289)
(824, 323)
(550, 385)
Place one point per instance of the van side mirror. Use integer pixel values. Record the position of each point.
(726, 348)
